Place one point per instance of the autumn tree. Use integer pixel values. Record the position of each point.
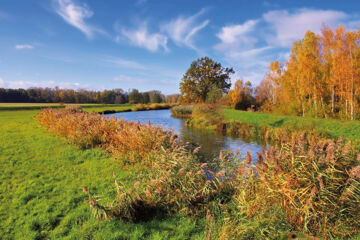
(321, 78)
(241, 96)
(203, 75)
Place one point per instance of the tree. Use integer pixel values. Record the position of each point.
(155, 96)
(214, 95)
(241, 96)
(203, 75)
(135, 96)
(146, 97)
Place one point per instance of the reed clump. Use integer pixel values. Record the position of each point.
(177, 183)
(313, 189)
(152, 106)
(130, 141)
(182, 111)
(279, 135)
(205, 116)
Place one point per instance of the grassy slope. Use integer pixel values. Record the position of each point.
(336, 128)
(40, 189)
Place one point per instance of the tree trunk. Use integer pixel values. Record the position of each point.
(346, 108)
(333, 99)
(352, 87)
(303, 109)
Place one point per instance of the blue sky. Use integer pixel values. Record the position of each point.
(149, 44)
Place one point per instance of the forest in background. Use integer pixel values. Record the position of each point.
(320, 79)
(58, 95)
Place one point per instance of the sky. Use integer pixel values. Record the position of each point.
(149, 44)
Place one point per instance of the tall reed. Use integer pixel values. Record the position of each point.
(313, 189)
(130, 141)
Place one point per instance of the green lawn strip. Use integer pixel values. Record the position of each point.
(35, 106)
(40, 189)
(334, 127)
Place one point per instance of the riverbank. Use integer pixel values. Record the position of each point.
(334, 128)
(61, 191)
(263, 125)
(40, 188)
(299, 182)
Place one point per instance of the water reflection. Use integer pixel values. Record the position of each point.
(211, 143)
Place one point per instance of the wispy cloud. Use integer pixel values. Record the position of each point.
(251, 45)
(42, 84)
(125, 63)
(141, 37)
(237, 36)
(76, 15)
(183, 29)
(288, 26)
(3, 15)
(140, 80)
(23, 46)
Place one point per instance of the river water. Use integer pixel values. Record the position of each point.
(211, 142)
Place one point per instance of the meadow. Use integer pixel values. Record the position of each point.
(70, 174)
(333, 127)
(41, 180)
(90, 107)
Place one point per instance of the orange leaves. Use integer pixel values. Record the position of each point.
(320, 78)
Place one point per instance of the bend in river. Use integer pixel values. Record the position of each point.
(211, 142)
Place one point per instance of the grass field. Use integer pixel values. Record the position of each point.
(335, 128)
(89, 106)
(40, 189)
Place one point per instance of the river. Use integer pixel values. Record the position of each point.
(211, 142)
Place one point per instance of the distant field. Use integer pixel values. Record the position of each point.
(334, 127)
(34, 106)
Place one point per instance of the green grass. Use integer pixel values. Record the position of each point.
(40, 189)
(108, 107)
(335, 128)
(92, 107)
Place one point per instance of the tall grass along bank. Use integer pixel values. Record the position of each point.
(301, 187)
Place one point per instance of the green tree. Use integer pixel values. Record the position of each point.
(203, 75)
(214, 95)
(135, 96)
(146, 97)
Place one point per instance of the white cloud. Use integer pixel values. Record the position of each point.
(141, 37)
(76, 15)
(237, 33)
(236, 39)
(289, 27)
(23, 46)
(250, 46)
(183, 29)
(42, 84)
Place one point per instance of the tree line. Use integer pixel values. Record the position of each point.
(321, 78)
(58, 95)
